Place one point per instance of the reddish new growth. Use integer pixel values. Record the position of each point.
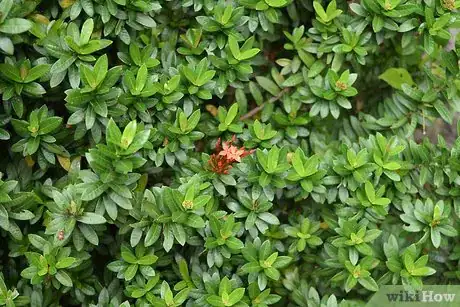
(225, 155)
(61, 235)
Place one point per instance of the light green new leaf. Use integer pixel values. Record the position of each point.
(234, 48)
(128, 134)
(395, 77)
(86, 31)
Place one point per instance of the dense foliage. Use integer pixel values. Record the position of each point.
(226, 153)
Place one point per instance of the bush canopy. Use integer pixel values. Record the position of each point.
(226, 153)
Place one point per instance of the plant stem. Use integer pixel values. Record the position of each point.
(259, 108)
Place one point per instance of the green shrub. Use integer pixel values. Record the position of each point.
(226, 153)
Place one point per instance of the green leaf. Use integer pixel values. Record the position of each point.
(234, 243)
(412, 92)
(369, 283)
(435, 237)
(37, 241)
(89, 234)
(136, 236)
(377, 25)
(10, 72)
(234, 48)
(251, 267)
(32, 145)
(370, 191)
(113, 133)
(15, 26)
(179, 233)
(215, 300)
(272, 159)
(269, 218)
(272, 273)
(147, 260)
(100, 69)
(65, 262)
(276, 3)
(88, 76)
(128, 255)
(62, 64)
(268, 85)
(195, 221)
(95, 45)
(49, 124)
(141, 78)
(297, 162)
(168, 238)
(408, 261)
(319, 10)
(128, 134)
(293, 80)
(37, 72)
(94, 190)
(281, 262)
(193, 120)
(232, 112)
(5, 7)
(189, 74)
(86, 31)
(100, 107)
(6, 45)
(350, 283)
(396, 77)
(235, 296)
(183, 122)
(131, 271)
(443, 111)
(245, 55)
(64, 278)
(227, 14)
(423, 271)
(91, 218)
